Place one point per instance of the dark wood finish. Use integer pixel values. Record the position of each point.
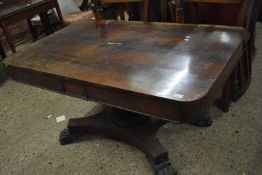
(14, 10)
(33, 30)
(142, 136)
(227, 12)
(46, 22)
(2, 52)
(120, 65)
(138, 70)
(247, 18)
(224, 12)
(164, 9)
(179, 11)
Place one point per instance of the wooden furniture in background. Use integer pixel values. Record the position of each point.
(118, 64)
(119, 9)
(241, 13)
(71, 13)
(222, 12)
(260, 14)
(16, 10)
(164, 10)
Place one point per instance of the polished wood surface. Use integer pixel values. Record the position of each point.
(14, 11)
(170, 71)
(241, 13)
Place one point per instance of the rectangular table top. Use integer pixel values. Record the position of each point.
(9, 7)
(172, 63)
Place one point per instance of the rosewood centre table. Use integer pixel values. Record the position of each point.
(12, 11)
(145, 74)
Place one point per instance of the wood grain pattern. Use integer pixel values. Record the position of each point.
(169, 71)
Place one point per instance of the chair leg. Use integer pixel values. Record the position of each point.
(59, 13)
(46, 23)
(84, 5)
(164, 7)
(33, 30)
(243, 78)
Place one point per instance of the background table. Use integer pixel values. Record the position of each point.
(166, 71)
(12, 11)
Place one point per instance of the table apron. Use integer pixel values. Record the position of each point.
(148, 105)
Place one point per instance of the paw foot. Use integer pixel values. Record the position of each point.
(165, 168)
(205, 121)
(66, 137)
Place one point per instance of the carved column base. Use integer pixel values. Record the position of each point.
(141, 133)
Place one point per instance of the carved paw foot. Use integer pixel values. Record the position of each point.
(165, 168)
(66, 137)
(205, 121)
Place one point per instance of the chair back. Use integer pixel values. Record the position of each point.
(241, 13)
(247, 18)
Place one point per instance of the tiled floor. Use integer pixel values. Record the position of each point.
(29, 140)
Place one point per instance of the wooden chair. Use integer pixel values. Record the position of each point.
(120, 9)
(247, 18)
(241, 13)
